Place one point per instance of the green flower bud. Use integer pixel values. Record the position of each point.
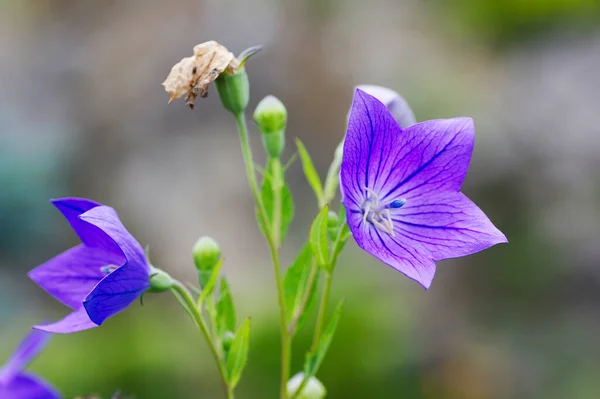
(160, 281)
(314, 389)
(207, 254)
(227, 340)
(234, 90)
(270, 115)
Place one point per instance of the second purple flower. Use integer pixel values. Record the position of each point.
(401, 189)
(101, 276)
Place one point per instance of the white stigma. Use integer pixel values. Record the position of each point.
(379, 214)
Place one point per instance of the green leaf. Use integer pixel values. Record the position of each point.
(309, 171)
(313, 360)
(318, 238)
(238, 353)
(210, 285)
(300, 288)
(225, 310)
(274, 185)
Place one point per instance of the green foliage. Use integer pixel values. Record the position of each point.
(238, 353)
(210, 285)
(318, 238)
(314, 360)
(225, 310)
(300, 287)
(309, 171)
(277, 200)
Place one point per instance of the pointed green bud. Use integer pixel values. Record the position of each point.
(234, 90)
(314, 389)
(160, 281)
(227, 340)
(207, 254)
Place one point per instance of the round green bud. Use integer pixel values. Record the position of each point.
(207, 253)
(314, 389)
(270, 115)
(234, 90)
(227, 340)
(160, 281)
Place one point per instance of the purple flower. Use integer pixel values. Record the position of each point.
(401, 189)
(17, 384)
(101, 276)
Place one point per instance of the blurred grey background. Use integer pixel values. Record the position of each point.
(82, 113)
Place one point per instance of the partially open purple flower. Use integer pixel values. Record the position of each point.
(17, 384)
(401, 189)
(101, 276)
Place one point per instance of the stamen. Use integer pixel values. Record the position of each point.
(378, 214)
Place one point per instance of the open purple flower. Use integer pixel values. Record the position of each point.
(101, 276)
(401, 189)
(17, 384)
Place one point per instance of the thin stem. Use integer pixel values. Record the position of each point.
(311, 280)
(339, 240)
(286, 345)
(184, 297)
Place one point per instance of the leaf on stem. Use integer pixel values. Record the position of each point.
(300, 287)
(313, 360)
(225, 309)
(309, 171)
(318, 238)
(238, 354)
(274, 185)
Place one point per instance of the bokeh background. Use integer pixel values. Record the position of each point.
(82, 113)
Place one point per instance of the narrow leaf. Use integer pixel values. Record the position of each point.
(238, 353)
(300, 287)
(318, 238)
(210, 285)
(314, 360)
(225, 310)
(309, 171)
(274, 185)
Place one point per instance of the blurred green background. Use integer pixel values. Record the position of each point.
(82, 113)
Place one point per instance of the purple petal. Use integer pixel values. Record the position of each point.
(28, 349)
(28, 386)
(115, 292)
(394, 102)
(106, 219)
(73, 322)
(433, 158)
(444, 226)
(72, 208)
(410, 261)
(370, 146)
(70, 276)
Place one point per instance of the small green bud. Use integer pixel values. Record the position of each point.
(207, 254)
(227, 340)
(270, 115)
(234, 90)
(160, 281)
(314, 389)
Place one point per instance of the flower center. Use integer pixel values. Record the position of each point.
(378, 213)
(108, 269)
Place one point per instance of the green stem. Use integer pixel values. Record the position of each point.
(286, 344)
(184, 296)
